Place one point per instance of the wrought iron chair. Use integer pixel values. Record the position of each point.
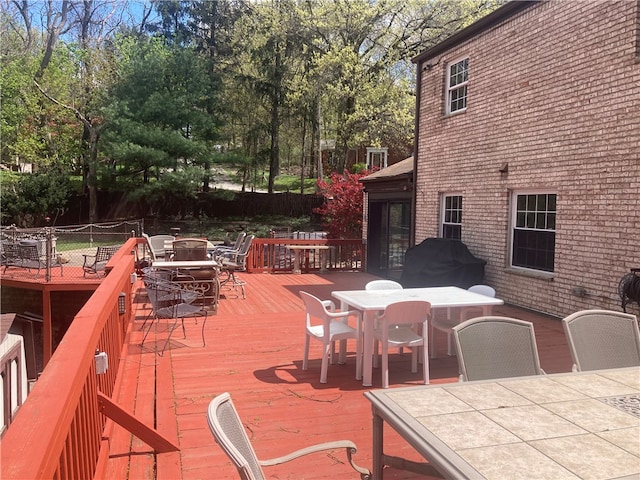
(96, 264)
(11, 255)
(496, 347)
(168, 302)
(190, 249)
(33, 259)
(153, 277)
(600, 339)
(229, 432)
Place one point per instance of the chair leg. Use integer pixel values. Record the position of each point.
(144, 337)
(450, 351)
(414, 359)
(359, 355)
(342, 355)
(325, 363)
(385, 365)
(203, 324)
(425, 365)
(305, 358)
(332, 353)
(376, 354)
(432, 341)
(173, 327)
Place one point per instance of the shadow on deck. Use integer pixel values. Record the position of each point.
(254, 351)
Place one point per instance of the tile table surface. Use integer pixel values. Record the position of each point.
(562, 426)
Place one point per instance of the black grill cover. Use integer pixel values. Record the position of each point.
(441, 262)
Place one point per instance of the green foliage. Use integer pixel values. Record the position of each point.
(34, 130)
(133, 106)
(291, 183)
(162, 119)
(358, 167)
(176, 189)
(29, 198)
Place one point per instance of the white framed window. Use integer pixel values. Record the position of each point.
(457, 79)
(377, 158)
(533, 235)
(451, 216)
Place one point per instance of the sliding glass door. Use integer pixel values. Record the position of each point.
(388, 236)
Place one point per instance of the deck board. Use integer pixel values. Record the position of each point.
(254, 351)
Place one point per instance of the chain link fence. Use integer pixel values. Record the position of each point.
(60, 246)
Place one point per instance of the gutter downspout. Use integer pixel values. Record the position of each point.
(416, 127)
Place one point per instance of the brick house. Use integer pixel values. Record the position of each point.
(528, 149)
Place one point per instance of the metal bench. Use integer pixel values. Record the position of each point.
(96, 264)
(29, 257)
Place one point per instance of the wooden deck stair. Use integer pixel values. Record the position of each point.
(254, 351)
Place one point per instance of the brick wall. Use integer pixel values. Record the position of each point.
(554, 91)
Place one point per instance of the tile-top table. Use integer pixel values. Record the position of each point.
(372, 301)
(563, 426)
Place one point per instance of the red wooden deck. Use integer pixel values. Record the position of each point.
(254, 351)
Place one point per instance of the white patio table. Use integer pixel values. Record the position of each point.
(185, 264)
(371, 302)
(563, 426)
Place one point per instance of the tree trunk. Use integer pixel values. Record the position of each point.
(92, 180)
(274, 154)
(319, 152)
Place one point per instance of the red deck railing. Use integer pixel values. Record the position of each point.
(272, 255)
(62, 430)
(58, 432)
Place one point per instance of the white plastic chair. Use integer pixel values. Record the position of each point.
(601, 339)
(229, 432)
(446, 324)
(382, 285)
(496, 347)
(326, 325)
(404, 324)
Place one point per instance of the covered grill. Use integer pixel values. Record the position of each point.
(629, 288)
(439, 262)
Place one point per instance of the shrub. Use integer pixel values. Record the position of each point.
(343, 208)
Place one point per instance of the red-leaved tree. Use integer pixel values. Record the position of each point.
(342, 210)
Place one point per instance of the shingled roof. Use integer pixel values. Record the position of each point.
(403, 167)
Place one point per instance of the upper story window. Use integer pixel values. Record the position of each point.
(451, 224)
(377, 158)
(457, 79)
(534, 231)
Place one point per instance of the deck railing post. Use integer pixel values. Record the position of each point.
(48, 254)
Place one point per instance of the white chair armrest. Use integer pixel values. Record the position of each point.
(329, 305)
(347, 313)
(347, 444)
